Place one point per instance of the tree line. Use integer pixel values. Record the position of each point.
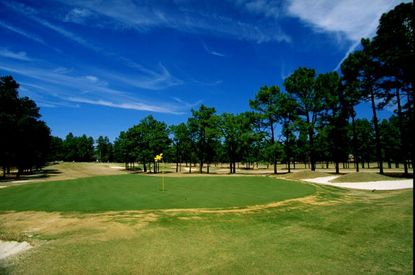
(316, 115)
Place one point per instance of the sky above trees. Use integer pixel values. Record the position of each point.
(99, 67)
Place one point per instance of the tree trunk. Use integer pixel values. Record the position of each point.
(274, 157)
(404, 143)
(377, 134)
(356, 157)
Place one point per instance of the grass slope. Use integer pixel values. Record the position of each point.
(363, 177)
(136, 192)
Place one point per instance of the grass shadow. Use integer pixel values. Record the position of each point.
(41, 174)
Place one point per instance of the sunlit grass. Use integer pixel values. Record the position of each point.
(137, 192)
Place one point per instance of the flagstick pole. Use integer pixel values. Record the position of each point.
(162, 175)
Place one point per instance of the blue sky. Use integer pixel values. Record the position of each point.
(98, 67)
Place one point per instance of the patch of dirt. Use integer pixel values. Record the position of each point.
(102, 227)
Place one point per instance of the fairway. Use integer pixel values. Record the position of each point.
(138, 192)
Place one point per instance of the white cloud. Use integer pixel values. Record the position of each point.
(138, 106)
(77, 15)
(89, 89)
(211, 52)
(354, 18)
(267, 8)
(22, 56)
(181, 17)
(22, 33)
(32, 14)
(92, 78)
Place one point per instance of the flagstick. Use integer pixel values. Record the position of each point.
(162, 176)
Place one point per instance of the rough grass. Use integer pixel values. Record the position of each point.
(363, 177)
(340, 232)
(137, 192)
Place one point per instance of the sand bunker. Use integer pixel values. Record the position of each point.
(12, 248)
(370, 185)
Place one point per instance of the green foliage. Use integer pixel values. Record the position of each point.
(204, 129)
(25, 139)
(142, 142)
(301, 85)
(239, 137)
(104, 149)
(265, 105)
(78, 148)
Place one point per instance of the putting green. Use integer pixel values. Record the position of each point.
(137, 192)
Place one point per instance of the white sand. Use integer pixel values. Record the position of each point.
(12, 248)
(117, 167)
(370, 185)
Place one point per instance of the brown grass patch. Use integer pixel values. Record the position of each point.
(101, 227)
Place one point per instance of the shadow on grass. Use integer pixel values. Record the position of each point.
(398, 175)
(41, 174)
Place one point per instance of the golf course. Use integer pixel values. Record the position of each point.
(207, 137)
(203, 224)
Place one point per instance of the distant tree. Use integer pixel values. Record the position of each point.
(78, 148)
(155, 137)
(365, 137)
(104, 149)
(352, 96)
(182, 142)
(324, 146)
(203, 125)
(56, 149)
(287, 115)
(238, 136)
(301, 85)
(265, 105)
(389, 132)
(123, 150)
(334, 115)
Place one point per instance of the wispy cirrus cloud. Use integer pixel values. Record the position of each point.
(267, 8)
(182, 16)
(79, 16)
(32, 14)
(146, 79)
(212, 52)
(138, 106)
(22, 56)
(21, 32)
(88, 89)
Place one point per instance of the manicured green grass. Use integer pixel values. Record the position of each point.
(346, 232)
(136, 192)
